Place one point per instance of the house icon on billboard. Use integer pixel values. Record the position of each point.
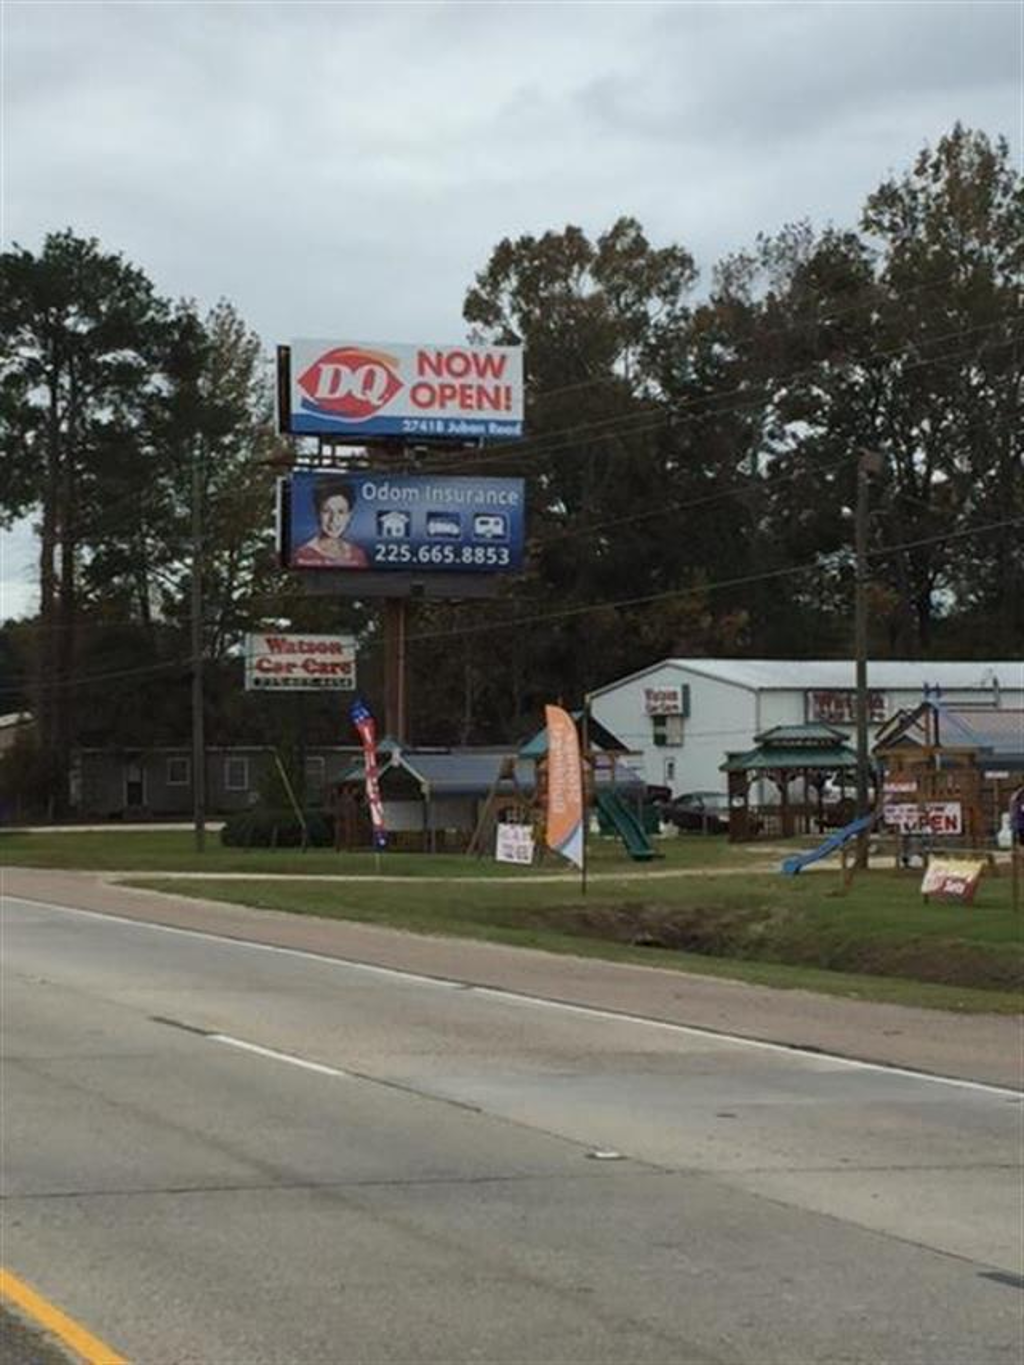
(393, 525)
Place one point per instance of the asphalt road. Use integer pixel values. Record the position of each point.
(217, 1151)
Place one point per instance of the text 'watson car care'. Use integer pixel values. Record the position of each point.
(354, 390)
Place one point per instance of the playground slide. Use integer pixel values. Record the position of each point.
(791, 866)
(626, 825)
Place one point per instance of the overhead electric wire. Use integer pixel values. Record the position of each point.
(27, 685)
(583, 609)
(662, 413)
(669, 594)
(940, 285)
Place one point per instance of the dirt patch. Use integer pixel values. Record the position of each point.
(717, 932)
(771, 935)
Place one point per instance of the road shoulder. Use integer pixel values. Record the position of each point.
(983, 1048)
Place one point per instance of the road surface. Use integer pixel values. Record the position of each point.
(221, 1151)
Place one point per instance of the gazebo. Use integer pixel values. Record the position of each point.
(809, 753)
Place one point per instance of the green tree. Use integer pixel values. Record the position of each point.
(81, 328)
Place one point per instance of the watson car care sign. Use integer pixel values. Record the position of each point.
(349, 389)
(300, 663)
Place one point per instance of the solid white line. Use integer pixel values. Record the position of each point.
(276, 1056)
(541, 1002)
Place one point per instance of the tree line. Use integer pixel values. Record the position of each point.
(691, 457)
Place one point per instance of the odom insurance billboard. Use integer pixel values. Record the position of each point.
(351, 390)
(402, 522)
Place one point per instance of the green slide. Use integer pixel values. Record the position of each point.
(626, 825)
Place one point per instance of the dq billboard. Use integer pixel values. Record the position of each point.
(403, 522)
(299, 663)
(354, 391)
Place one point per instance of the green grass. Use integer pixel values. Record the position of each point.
(167, 850)
(877, 941)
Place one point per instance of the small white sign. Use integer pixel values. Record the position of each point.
(514, 844)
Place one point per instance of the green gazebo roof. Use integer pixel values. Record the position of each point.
(814, 746)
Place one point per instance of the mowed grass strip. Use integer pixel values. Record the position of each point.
(877, 941)
(168, 850)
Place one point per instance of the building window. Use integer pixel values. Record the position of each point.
(178, 772)
(667, 731)
(236, 774)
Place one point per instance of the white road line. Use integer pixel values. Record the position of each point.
(540, 1002)
(288, 1057)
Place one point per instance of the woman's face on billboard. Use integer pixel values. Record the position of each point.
(335, 515)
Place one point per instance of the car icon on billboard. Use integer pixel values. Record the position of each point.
(490, 526)
(444, 524)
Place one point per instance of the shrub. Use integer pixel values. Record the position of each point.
(261, 828)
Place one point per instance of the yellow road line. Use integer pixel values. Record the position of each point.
(46, 1315)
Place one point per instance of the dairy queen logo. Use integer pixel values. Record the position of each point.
(350, 383)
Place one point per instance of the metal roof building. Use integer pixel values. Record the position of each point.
(683, 715)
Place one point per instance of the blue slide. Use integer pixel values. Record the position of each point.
(791, 866)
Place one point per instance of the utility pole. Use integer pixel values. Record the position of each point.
(869, 464)
(395, 718)
(198, 737)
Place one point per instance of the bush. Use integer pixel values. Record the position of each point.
(276, 829)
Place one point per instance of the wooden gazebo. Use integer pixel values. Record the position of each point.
(812, 753)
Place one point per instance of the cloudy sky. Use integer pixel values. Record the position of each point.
(345, 168)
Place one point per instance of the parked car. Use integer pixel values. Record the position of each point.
(703, 812)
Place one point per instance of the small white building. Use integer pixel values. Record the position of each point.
(685, 715)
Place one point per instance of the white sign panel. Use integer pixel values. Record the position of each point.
(514, 844)
(932, 817)
(300, 663)
(353, 390)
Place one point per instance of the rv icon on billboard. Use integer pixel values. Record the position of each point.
(490, 526)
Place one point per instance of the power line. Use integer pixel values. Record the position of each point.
(71, 684)
(552, 443)
(874, 301)
(670, 594)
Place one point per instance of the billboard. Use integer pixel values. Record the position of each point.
(354, 391)
(403, 522)
(299, 663)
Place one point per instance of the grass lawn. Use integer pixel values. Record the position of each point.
(876, 941)
(168, 850)
(879, 941)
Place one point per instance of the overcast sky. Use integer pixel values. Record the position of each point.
(345, 169)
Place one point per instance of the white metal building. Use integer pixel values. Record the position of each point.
(684, 715)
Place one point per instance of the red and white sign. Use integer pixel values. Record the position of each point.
(930, 817)
(355, 388)
(951, 879)
(838, 706)
(300, 663)
(663, 701)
